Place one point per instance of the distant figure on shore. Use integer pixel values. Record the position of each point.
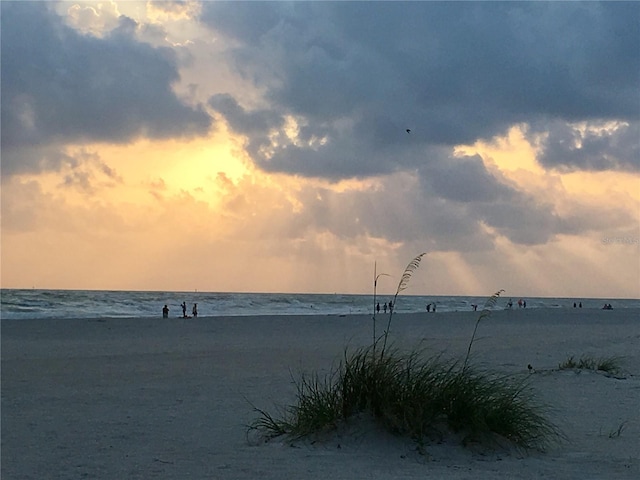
(390, 306)
(184, 309)
(378, 307)
(165, 312)
(580, 305)
(428, 307)
(574, 305)
(524, 304)
(607, 306)
(194, 310)
(475, 307)
(434, 307)
(384, 308)
(520, 303)
(510, 304)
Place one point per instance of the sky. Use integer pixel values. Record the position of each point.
(304, 146)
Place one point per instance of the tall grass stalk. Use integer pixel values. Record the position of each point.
(376, 276)
(486, 313)
(402, 285)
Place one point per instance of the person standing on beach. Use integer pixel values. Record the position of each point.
(385, 307)
(165, 312)
(194, 310)
(378, 307)
(184, 309)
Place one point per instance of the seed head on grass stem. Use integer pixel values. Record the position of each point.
(486, 313)
(402, 285)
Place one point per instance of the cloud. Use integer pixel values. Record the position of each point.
(354, 76)
(60, 86)
(591, 146)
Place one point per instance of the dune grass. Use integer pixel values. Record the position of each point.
(612, 364)
(414, 394)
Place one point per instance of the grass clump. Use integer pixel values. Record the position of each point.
(612, 365)
(415, 395)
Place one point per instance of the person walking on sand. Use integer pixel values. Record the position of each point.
(184, 309)
(385, 307)
(194, 310)
(165, 312)
(378, 307)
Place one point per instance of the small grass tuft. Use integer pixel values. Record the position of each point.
(618, 431)
(612, 365)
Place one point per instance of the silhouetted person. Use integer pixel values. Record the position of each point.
(428, 307)
(384, 308)
(184, 309)
(580, 305)
(165, 312)
(378, 307)
(194, 310)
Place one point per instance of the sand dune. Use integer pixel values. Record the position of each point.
(170, 398)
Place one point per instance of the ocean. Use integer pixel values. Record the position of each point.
(45, 304)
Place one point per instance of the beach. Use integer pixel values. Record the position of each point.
(157, 398)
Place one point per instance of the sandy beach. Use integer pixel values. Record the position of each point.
(156, 398)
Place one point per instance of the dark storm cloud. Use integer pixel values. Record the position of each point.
(466, 179)
(571, 148)
(59, 86)
(359, 74)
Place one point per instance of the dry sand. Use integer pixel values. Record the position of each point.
(170, 398)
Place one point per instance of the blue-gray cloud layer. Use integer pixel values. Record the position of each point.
(359, 73)
(59, 86)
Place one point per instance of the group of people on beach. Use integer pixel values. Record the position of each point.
(521, 304)
(194, 310)
(384, 307)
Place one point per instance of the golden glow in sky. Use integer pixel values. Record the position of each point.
(269, 160)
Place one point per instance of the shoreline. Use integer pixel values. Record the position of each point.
(171, 398)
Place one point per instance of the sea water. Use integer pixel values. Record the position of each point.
(32, 304)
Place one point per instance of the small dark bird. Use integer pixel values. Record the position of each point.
(408, 130)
